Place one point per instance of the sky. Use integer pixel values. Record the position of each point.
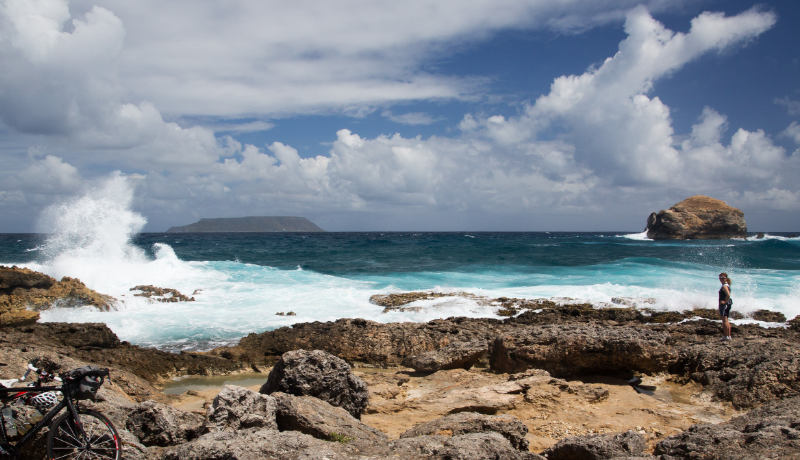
(446, 115)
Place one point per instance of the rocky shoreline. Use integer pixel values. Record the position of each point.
(567, 374)
(551, 380)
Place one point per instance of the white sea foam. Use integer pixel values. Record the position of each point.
(636, 236)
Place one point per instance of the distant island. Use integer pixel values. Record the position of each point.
(249, 224)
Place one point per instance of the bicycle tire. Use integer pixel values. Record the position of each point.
(64, 441)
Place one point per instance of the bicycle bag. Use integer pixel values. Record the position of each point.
(85, 381)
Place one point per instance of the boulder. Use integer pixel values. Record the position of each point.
(319, 419)
(573, 349)
(157, 424)
(697, 217)
(454, 356)
(598, 447)
(321, 375)
(770, 431)
(238, 408)
(747, 371)
(470, 422)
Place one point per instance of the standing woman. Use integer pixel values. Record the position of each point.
(725, 303)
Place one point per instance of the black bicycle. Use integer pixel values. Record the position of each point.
(77, 433)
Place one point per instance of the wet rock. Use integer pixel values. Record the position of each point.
(746, 371)
(454, 356)
(598, 447)
(161, 294)
(24, 292)
(239, 408)
(768, 316)
(697, 217)
(470, 422)
(156, 424)
(573, 349)
(321, 375)
(319, 419)
(464, 447)
(770, 431)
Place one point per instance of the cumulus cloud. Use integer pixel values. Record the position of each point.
(50, 175)
(594, 138)
(793, 107)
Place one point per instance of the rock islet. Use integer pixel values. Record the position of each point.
(698, 217)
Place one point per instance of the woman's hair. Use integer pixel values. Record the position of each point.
(727, 279)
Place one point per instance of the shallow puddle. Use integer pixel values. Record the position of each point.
(204, 383)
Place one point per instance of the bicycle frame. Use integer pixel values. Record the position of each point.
(20, 392)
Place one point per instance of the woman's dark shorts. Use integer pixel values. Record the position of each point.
(725, 310)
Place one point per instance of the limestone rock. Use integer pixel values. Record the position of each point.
(238, 408)
(319, 419)
(747, 371)
(697, 217)
(259, 444)
(470, 422)
(321, 375)
(597, 447)
(454, 356)
(362, 341)
(571, 349)
(464, 447)
(770, 431)
(157, 424)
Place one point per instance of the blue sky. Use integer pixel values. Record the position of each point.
(519, 115)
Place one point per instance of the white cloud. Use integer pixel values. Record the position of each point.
(793, 131)
(50, 175)
(793, 107)
(411, 118)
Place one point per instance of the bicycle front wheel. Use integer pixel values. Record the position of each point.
(66, 440)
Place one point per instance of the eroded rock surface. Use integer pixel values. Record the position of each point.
(321, 375)
(317, 418)
(157, 424)
(572, 349)
(237, 408)
(598, 447)
(470, 422)
(697, 217)
(747, 371)
(456, 355)
(768, 432)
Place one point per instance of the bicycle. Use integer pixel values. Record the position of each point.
(77, 433)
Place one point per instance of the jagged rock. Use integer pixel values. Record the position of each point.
(745, 371)
(470, 422)
(770, 431)
(597, 447)
(160, 294)
(260, 444)
(239, 408)
(362, 341)
(768, 316)
(697, 217)
(157, 424)
(456, 355)
(24, 292)
(464, 447)
(317, 418)
(581, 349)
(321, 375)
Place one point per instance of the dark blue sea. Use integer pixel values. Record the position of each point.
(241, 280)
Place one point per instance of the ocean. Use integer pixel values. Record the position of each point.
(241, 280)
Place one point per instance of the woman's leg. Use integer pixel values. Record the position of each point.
(726, 326)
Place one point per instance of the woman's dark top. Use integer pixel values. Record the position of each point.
(723, 294)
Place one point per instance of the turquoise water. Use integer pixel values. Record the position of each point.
(242, 280)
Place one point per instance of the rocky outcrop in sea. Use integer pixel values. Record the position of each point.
(697, 218)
